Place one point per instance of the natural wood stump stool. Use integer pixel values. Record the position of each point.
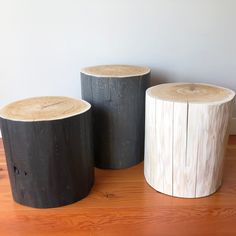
(117, 94)
(48, 148)
(185, 137)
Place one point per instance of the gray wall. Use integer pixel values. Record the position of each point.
(43, 44)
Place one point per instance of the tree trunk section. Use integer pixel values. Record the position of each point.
(185, 138)
(49, 150)
(117, 95)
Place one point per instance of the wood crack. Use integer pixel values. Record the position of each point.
(52, 104)
(186, 140)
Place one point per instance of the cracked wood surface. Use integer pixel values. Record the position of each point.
(185, 137)
(118, 109)
(50, 161)
(44, 108)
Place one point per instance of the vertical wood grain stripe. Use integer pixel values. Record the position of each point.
(179, 148)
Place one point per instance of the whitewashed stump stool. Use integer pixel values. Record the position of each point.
(117, 95)
(186, 131)
(49, 151)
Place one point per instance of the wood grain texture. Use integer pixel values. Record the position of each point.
(121, 203)
(117, 71)
(50, 163)
(44, 108)
(118, 114)
(191, 92)
(186, 133)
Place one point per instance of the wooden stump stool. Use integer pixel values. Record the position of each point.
(185, 137)
(117, 93)
(48, 148)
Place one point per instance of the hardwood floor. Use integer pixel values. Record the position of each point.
(122, 203)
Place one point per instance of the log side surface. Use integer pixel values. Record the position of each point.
(117, 94)
(185, 137)
(49, 153)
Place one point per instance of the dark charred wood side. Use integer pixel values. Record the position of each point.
(118, 106)
(50, 163)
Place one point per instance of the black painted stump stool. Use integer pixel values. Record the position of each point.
(48, 148)
(117, 94)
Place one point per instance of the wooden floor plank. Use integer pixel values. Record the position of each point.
(122, 203)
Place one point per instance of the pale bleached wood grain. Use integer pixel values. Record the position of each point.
(185, 143)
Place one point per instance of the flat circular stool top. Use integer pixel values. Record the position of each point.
(191, 92)
(44, 108)
(117, 71)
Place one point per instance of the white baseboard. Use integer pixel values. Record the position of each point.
(232, 130)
